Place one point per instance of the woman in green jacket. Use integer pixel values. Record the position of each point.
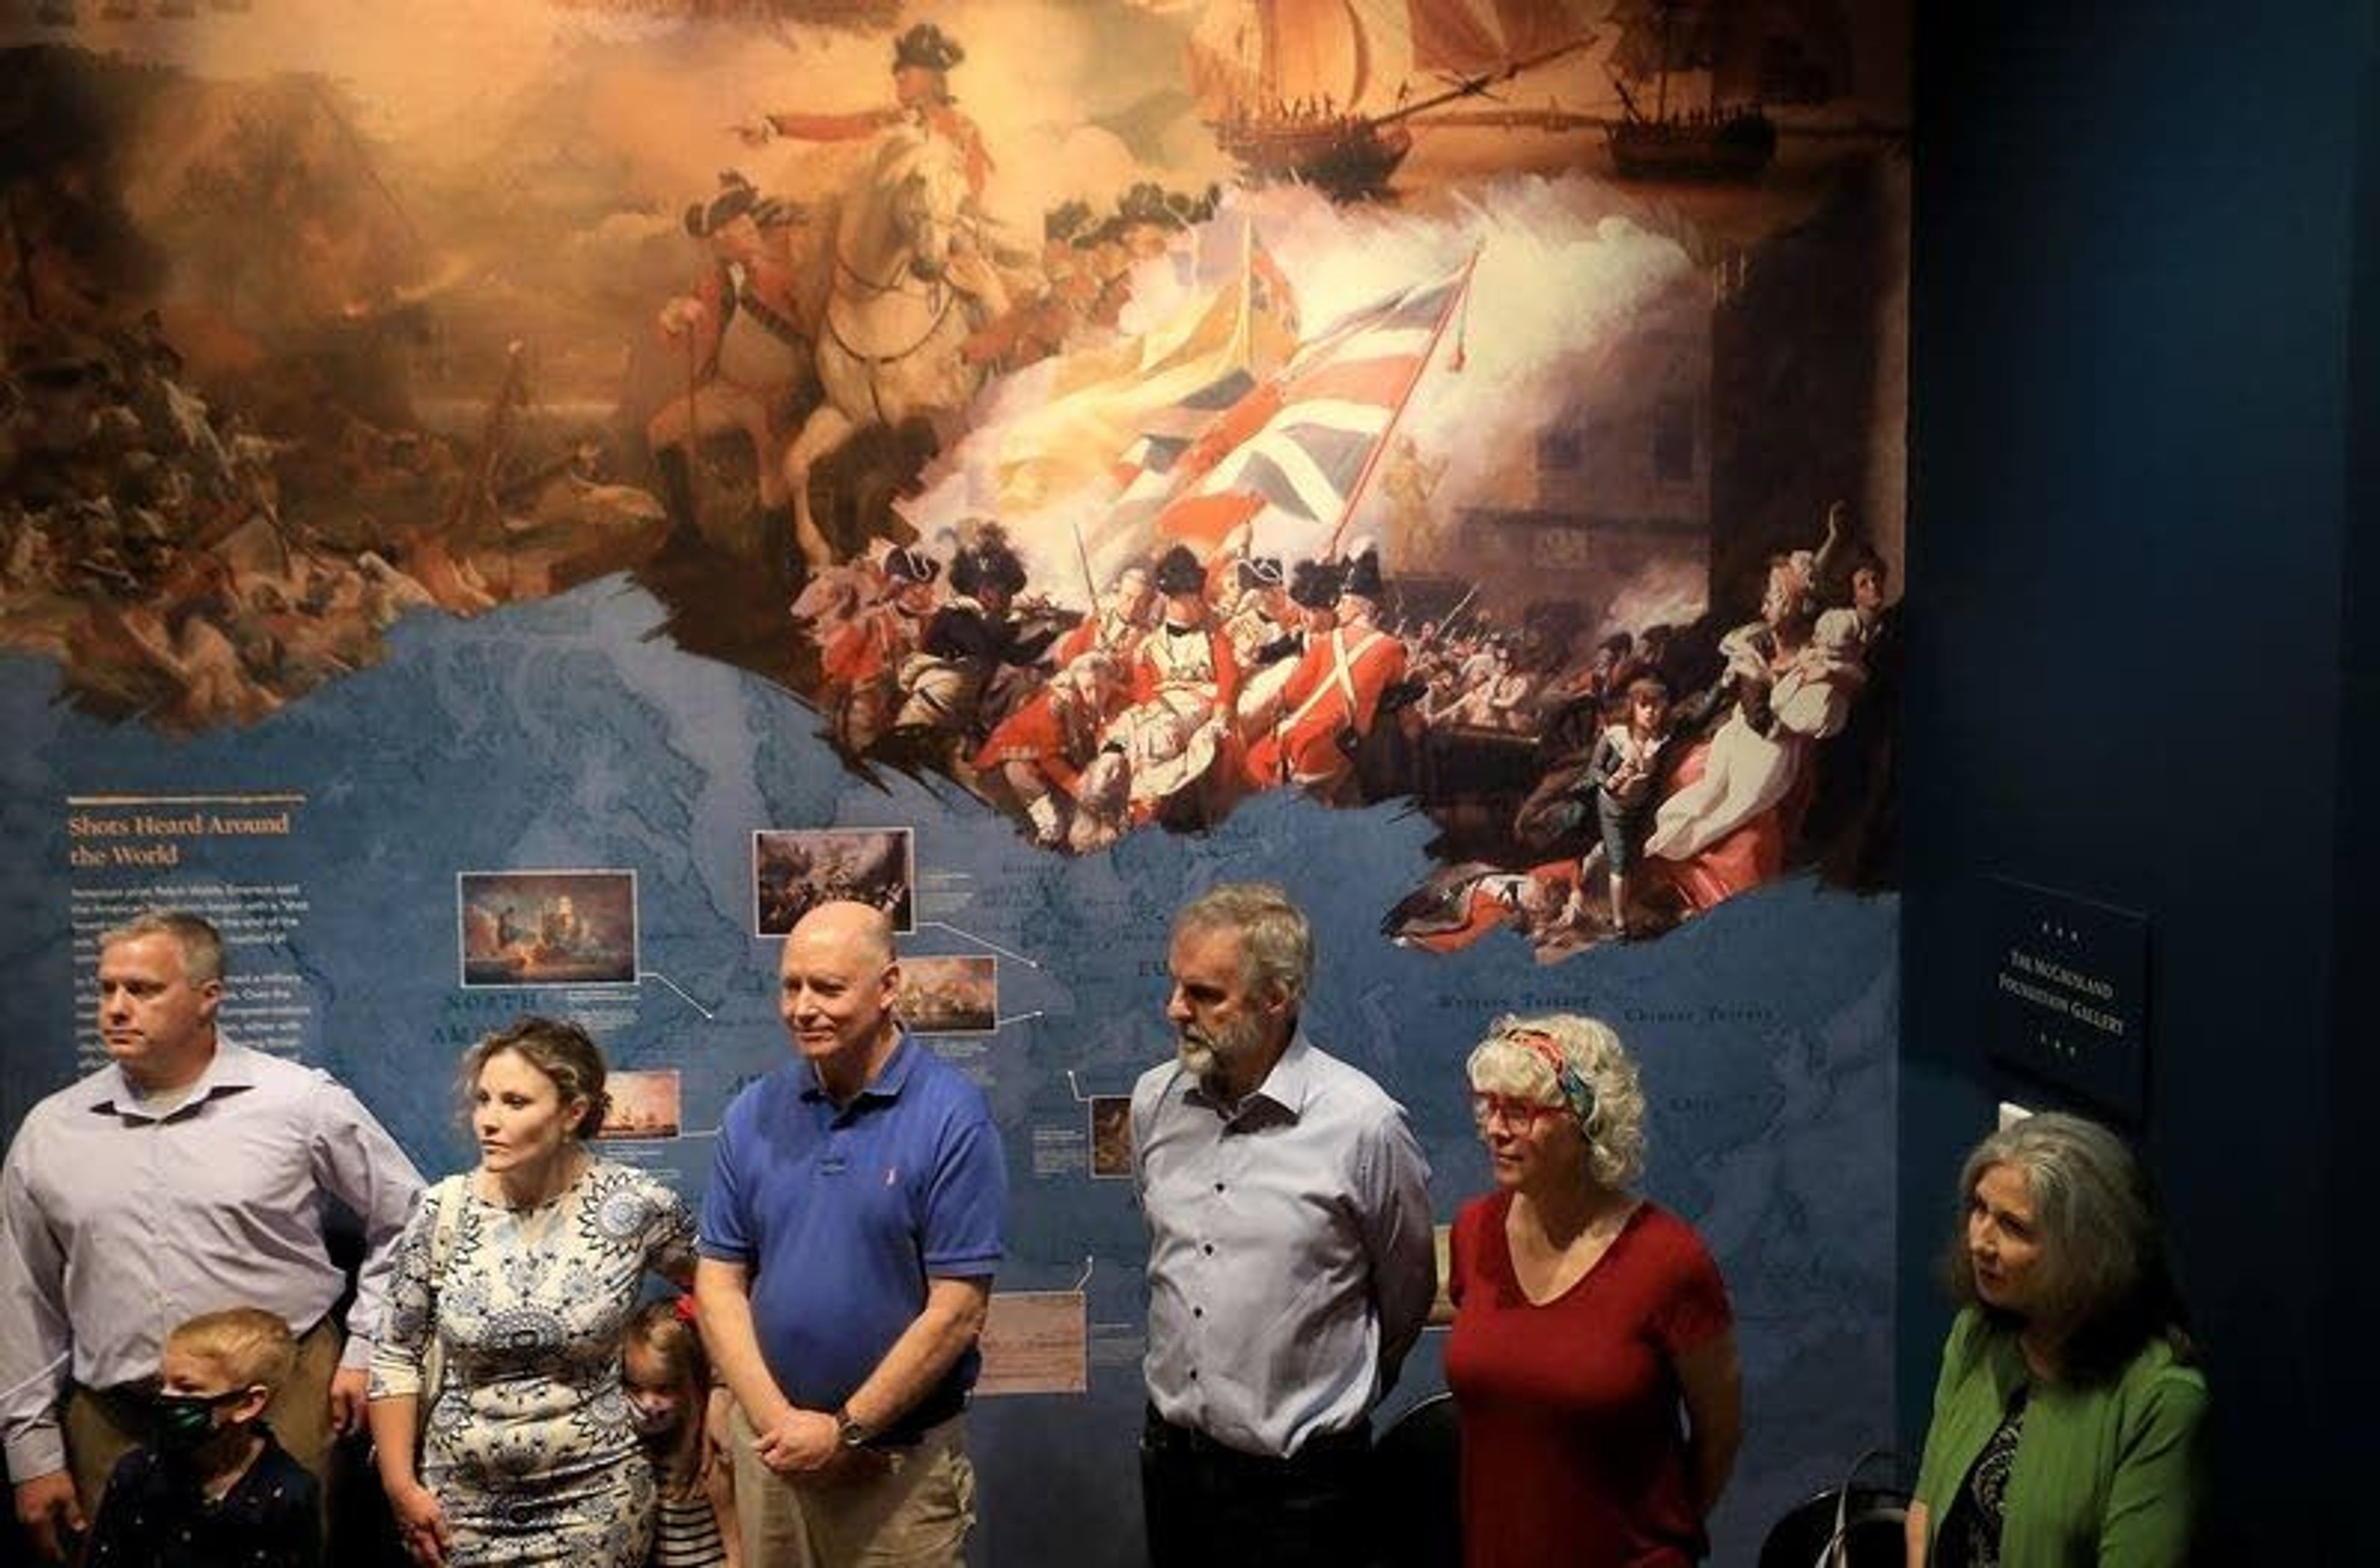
(2070, 1423)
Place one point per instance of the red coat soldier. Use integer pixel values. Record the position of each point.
(1328, 707)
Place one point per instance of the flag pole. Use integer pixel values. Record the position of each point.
(1372, 458)
(1243, 329)
(1083, 559)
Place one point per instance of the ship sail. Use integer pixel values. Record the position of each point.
(1366, 56)
(1773, 51)
(1530, 28)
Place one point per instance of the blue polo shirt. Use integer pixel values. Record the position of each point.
(842, 1215)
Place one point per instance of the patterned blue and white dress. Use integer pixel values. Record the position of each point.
(530, 1446)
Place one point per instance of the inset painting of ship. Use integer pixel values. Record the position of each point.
(1323, 91)
(1333, 93)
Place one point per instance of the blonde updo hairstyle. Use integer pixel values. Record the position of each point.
(1504, 1062)
(556, 1047)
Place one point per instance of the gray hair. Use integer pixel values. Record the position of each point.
(1615, 1132)
(201, 945)
(2104, 1285)
(1276, 941)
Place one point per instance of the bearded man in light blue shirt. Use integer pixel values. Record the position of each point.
(1289, 1265)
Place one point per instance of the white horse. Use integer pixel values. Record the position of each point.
(895, 319)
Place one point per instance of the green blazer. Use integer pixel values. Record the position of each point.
(2107, 1475)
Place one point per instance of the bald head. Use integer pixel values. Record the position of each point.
(864, 928)
(836, 986)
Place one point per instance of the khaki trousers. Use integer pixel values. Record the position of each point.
(911, 1508)
(103, 1425)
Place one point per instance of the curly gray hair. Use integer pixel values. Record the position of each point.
(1504, 1064)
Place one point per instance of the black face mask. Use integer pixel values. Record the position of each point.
(181, 1423)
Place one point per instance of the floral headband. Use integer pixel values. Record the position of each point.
(1576, 1092)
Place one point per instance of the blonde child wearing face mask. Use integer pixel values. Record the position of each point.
(210, 1485)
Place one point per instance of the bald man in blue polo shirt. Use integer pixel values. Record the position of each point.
(849, 1236)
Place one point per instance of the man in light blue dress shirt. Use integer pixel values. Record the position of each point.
(1289, 1265)
(189, 1174)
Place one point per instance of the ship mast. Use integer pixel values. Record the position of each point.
(1268, 59)
(1661, 86)
(1471, 85)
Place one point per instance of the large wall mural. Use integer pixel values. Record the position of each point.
(1119, 411)
(1018, 461)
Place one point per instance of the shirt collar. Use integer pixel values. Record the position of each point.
(888, 1082)
(1286, 1087)
(230, 1070)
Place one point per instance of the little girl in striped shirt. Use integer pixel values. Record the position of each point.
(669, 1383)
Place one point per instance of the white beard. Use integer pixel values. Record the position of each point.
(1204, 1056)
(1197, 1057)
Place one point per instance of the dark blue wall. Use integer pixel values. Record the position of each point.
(2135, 673)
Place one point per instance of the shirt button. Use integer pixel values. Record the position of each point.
(1209, 1250)
(1194, 1374)
(1218, 1187)
(1198, 1312)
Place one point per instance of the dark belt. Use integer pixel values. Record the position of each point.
(1161, 1436)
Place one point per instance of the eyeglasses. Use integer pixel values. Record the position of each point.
(1510, 1110)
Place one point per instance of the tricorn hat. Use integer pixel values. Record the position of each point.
(736, 197)
(928, 46)
(1178, 572)
(907, 566)
(1261, 571)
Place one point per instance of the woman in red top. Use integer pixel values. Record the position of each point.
(1593, 1358)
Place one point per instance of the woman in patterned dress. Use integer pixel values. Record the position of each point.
(2069, 1423)
(522, 1273)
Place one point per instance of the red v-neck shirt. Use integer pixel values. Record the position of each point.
(1574, 1445)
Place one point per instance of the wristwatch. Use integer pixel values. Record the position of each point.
(847, 1428)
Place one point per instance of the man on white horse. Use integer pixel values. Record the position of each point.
(922, 60)
(911, 280)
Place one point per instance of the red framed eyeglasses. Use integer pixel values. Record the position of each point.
(1510, 1110)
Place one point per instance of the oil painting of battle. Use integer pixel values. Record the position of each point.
(1491, 409)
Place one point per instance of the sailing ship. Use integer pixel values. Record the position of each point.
(1320, 91)
(1750, 55)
